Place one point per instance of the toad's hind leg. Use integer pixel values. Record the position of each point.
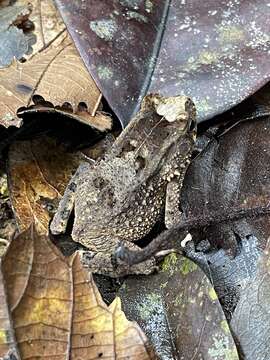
(66, 205)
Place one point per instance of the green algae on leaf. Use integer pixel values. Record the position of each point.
(187, 266)
(168, 264)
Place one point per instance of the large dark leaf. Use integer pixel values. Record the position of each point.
(232, 174)
(179, 311)
(216, 52)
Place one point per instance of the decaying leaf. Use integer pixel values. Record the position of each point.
(56, 77)
(4, 3)
(39, 172)
(14, 43)
(179, 311)
(56, 309)
(215, 52)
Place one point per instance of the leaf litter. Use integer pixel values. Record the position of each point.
(44, 78)
(53, 78)
(38, 172)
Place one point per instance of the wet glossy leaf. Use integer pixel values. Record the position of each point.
(56, 309)
(56, 77)
(39, 172)
(179, 311)
(215, 52)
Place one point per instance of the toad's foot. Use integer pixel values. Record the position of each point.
(104, 264)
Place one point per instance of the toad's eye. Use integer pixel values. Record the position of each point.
(192, 125)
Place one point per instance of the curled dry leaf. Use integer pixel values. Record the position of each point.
(56, 309)
(101, 121)
(56, 77)
(179, 311)
(39, 172)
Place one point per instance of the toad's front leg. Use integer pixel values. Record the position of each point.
(66, 205)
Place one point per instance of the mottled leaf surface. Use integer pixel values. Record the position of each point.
(215, 52)
(179, 311)
(57, 311)
(7, 340)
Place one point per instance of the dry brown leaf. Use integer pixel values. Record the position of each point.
(56, 75)
(57, 311)
(39, 172)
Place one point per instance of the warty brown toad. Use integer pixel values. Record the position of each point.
(119, 199)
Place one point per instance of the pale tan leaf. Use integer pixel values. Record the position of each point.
(57, 311)
(56, 75)
(128, 335)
